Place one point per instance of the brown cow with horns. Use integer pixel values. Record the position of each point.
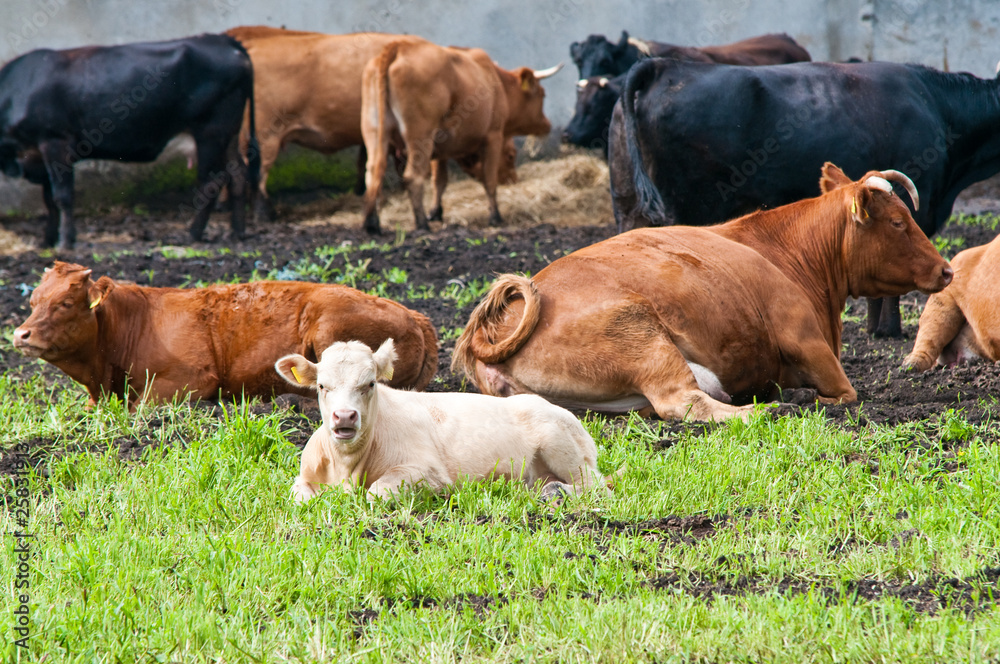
(682, 320)
(222, 340)
(437, 103)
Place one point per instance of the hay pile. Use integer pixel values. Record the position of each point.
(11, 243)
(572, 190)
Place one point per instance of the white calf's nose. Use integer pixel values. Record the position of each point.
(346, 416)
(22, 334)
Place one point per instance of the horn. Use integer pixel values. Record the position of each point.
(907, 184)
(603, 82)
(582, 83)
(545, 73)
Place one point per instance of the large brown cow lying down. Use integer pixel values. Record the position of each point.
(439, 103)
(207, 342)
(382, 439)
(307, 91)
(658, 317)
(962, 322)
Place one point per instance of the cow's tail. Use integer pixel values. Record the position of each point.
(386, 58)
(430, 364)
(649, 203)
(253, 147)
(478, 342)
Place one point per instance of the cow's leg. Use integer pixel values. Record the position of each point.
(359, 184)
(303, 490)
(236, 168)
(808, 360)
(269, 149)
(212, 177)
(378, 158)
(418, 169)
(492, 153)
(883, 318)
(59, 168)
(940, 323)
(439, 173)
(52, 223)
(393, 482)
(666, 380)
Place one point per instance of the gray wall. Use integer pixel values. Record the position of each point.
(956, 35)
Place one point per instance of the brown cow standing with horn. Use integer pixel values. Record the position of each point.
(438, 103)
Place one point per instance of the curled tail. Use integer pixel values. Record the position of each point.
(430, 364)
(478, 342)
(649, 203)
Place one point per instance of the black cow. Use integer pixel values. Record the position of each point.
(597, 94)
(595, 101)
(125, 103)
(596, 56)
(694, 143)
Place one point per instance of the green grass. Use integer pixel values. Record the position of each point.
(194, 552)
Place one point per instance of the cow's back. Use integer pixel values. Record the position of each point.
(308, 85)
(702, 291)
(778, 125)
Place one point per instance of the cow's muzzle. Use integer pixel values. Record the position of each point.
(22, 342)
(345, 424)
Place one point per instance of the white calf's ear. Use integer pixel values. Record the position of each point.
(384, 357)
(297, 370)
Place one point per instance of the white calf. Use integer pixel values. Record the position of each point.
(381, 438)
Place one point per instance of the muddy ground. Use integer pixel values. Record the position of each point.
(129, 245)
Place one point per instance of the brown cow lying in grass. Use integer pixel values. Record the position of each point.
(207, 342)
(962, 322)
(382, 439)
(682, 319)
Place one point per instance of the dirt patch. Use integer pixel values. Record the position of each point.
(971, 595)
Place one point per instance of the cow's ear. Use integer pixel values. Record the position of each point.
(832, 178)
(575, 52)
(385, 357)
(623, 42)
(528, 80)
(98, 292)
(858, 205)
(297, 370)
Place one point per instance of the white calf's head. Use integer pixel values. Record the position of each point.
(345, 379)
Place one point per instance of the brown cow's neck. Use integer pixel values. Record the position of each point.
(121, 325)
(805, 241)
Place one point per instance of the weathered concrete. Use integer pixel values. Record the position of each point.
(948, 34)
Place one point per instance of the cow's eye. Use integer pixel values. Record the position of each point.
(67, 303)
(371, 384)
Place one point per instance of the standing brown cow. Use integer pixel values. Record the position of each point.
(443, 103)
(682, 319)
(307, 91)
(116, 338)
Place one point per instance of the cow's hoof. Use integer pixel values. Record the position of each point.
(888, 332)
(554, 491)
(496, 219)
(263, 212)
(437, 214)
(800, 396)
(372, 225)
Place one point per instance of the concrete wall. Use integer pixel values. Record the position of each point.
(955, 35)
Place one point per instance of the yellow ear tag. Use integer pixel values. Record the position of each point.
(525, 84)
(96, 302)
(854, 206)
(388, 374)
(295, 373)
